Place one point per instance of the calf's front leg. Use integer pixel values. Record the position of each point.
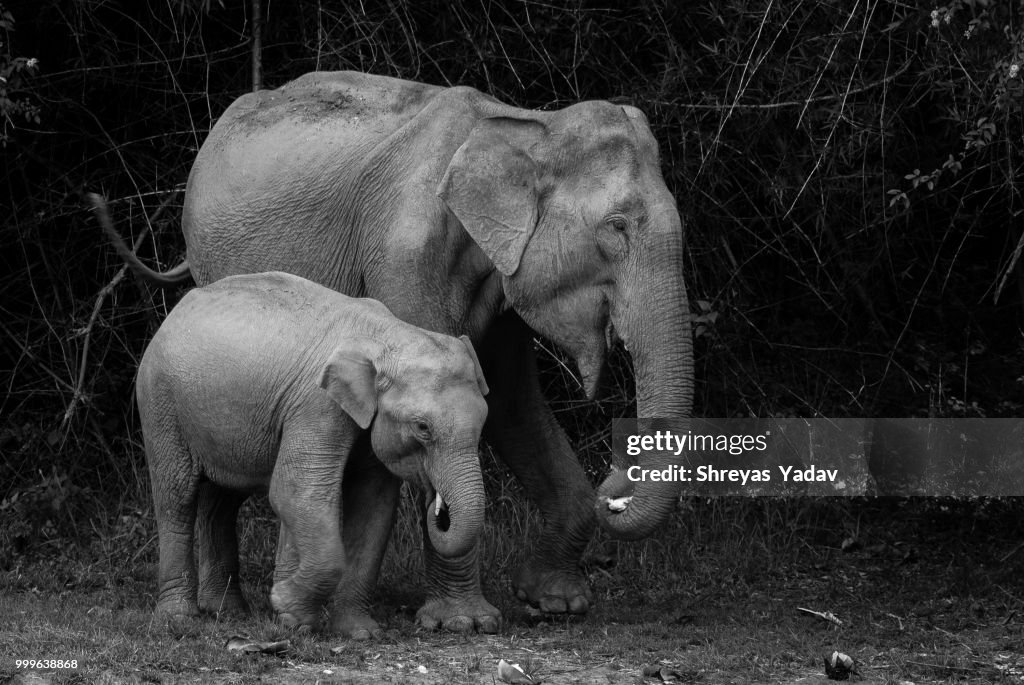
(305, 492)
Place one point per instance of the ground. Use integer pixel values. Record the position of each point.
(924, 592)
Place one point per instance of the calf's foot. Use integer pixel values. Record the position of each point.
(294, 610)
(355, 625)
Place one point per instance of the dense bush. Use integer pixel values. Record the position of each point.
(849, 175)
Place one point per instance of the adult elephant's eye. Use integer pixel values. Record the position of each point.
(613, 238)
(423, 430)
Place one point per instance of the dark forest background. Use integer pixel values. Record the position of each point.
(849, 175)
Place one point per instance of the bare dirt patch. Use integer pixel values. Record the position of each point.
(926, 593)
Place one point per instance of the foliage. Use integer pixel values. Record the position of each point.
(14, 105)
(848, 173)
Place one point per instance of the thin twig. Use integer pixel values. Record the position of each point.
(842, 108)
(790, 103)
(106, 290)
(101, 210)
(940, 666)
(1009, 554)
(1010, 269)
(32, 356)
(257, 46)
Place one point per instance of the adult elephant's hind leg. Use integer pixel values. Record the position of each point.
(217, 545)
(524, 432)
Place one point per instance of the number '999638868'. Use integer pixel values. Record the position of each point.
(46, 663)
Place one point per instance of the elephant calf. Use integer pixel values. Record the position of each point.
(264, 382)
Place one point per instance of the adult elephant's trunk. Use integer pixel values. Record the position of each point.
(653, 320)
(455, 514)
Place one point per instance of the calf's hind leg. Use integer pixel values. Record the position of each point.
(174, 499)
(217, 544)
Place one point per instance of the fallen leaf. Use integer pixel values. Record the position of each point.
(238, 643)
(666, 674)
(29, 678)
(824, 615)
(512, 673)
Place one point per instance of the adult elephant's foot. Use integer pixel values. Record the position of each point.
(223, 601)
(460, 615)
(355, 625)
(554, 591)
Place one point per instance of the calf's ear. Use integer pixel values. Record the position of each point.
(350, 378)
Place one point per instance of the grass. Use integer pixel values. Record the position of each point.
(929, 591)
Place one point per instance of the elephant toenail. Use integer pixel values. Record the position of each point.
(553, 605)
(488, 624)
(459, 624)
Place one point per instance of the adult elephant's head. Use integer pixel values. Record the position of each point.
(572, 209)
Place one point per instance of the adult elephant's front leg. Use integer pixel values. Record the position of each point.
(521, 427)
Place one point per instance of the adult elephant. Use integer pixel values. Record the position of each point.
(463, 215)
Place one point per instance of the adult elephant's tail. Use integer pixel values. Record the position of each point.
(163, 279)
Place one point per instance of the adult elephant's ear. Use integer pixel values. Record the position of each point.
(491, 186)
(350, 378)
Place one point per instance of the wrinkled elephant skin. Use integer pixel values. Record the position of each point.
(467, 216)
(266, 382)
